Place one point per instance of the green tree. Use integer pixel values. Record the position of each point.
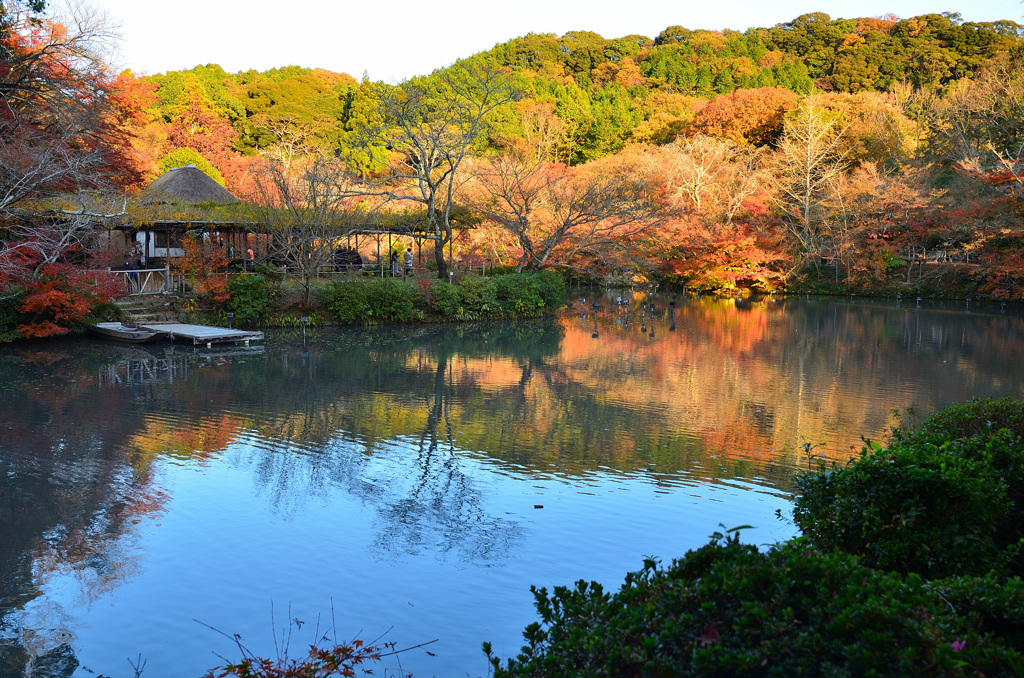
(428, 126)
(180, 157)
(362, 113)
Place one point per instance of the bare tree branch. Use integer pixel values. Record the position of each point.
(308, 211)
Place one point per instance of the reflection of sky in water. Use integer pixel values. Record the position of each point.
(227, 548)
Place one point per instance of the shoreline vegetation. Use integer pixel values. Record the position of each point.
(872, 155)
(263, 299)
(254, 300)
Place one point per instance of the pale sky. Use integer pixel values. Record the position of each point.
(396, 39)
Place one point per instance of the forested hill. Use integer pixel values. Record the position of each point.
(604, 92)
(813, 50)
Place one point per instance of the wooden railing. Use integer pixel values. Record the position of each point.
(145, 280)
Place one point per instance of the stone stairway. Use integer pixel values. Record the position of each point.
(147, 308)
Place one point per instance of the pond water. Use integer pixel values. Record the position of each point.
(413, 482)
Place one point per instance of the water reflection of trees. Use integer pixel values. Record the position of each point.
(767, 375)
(400, 417)
(334, 412)
(732, 391)
(70, 490)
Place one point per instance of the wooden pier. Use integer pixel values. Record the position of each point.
(203, 334)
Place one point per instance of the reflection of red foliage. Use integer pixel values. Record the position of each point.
(210, 438)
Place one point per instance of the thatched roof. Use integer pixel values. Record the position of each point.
(189, 184)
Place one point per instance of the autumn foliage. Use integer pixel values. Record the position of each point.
(204, 266)
(747, 116)
(872, 154)
(340, 660)
(60, 298)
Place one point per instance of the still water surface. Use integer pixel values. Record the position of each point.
(414, 482)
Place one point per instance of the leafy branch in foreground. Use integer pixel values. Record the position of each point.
(325, 657)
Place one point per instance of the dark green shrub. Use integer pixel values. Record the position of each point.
(943, 499)
(977, 417)
(729, 610)
(252, 297)
(924, 509)
(507, 296)
(478, 297)
(348, 302)
(446, 300)
(990, 605)
(518, 295)
(552, 289)
(965, 429)
(392, 300)
(9, 316)
(358, 302)
(472, 298)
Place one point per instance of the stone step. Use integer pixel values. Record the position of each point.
(142, 299)
(147, 302)
(148, 318)
(147, 308)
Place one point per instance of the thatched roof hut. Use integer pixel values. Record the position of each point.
(187, 184)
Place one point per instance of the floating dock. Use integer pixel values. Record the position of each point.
(203, 334)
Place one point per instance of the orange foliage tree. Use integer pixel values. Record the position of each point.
(135, 114)
(59, 124)
(587, 218)
(725, 257)
(1004, 278)
(721, 238)
(61, 146)
(747, 116)
(204, 267)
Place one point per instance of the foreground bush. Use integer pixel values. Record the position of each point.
(974, 418)
(941, 500)
(728, 610)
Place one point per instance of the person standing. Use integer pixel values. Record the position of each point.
(131, 265)
(408, 262)
(394, 264)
